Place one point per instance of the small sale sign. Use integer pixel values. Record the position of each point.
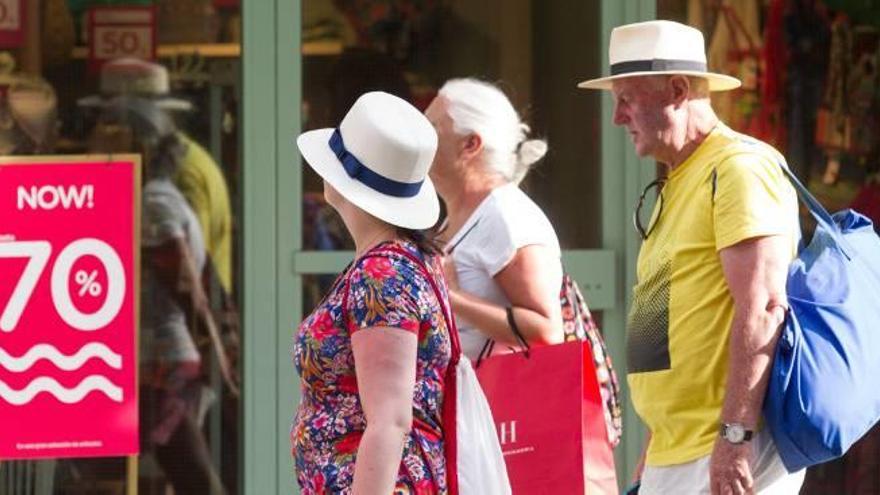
(68, 306)
(121, 31)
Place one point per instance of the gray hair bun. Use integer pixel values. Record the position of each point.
(528, 152)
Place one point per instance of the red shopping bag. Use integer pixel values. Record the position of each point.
(550, 420)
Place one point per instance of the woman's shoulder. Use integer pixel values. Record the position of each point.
(395, 272)
(512, 215)
(511, 204)
(400, 259)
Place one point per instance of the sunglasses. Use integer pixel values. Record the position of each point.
(637, 214)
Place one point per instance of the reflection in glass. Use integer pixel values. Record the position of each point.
(173, 300)
(536, 52)
(181, 114)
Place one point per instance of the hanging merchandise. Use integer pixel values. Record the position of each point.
(862, 91)
(770, 124)
(702, 14)
(833, 123)
(697, 15)
(807, 40)
(735, 50)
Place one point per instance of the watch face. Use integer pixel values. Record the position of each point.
(735, 433)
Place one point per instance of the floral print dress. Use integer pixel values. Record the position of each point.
(383, 288)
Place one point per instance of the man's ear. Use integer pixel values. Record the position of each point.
(679, 88)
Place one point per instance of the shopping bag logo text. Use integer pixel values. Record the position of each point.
(507, 432)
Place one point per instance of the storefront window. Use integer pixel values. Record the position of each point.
(159, 78)
(536, 52)
(810, 88)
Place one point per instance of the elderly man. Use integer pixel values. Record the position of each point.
(200, 179)
(710, 295)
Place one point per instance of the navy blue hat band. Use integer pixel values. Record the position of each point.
(360, 172)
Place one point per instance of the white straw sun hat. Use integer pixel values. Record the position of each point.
(378, 159)
(135, 77)
(657, 48)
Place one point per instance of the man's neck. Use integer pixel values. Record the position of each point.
(700, 124)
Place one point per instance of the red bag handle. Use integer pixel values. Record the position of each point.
(450, 395)
(450, 399)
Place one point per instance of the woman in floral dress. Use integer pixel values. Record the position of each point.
(373, 355)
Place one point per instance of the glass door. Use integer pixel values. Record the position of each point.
(162, 79)
(536, 52)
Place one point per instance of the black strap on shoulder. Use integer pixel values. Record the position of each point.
(463, 236)
(714, 183)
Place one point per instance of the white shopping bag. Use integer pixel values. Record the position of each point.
(481, 467)
(474, 463)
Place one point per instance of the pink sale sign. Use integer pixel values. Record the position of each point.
(68, 306)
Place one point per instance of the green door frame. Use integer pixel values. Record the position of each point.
(274, 263)
(624, 175)
(270, 99)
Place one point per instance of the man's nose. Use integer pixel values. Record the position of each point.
(620, 117)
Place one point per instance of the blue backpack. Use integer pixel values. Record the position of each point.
(824, 390)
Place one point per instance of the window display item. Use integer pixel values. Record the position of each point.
(28, 111)
(136, 77)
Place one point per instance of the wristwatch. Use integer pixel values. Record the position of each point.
(736, 433)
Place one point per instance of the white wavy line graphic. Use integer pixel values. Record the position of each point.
(66, 395)
(53, 355)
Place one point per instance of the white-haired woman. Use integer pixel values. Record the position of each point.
(503, 264)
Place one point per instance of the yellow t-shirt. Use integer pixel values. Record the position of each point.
(202, 183)
(730, 189)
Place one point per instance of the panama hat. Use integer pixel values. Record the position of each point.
(657, 48)
(135, 77)
(378, 159)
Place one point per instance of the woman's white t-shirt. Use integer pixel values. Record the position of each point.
(504, 222)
